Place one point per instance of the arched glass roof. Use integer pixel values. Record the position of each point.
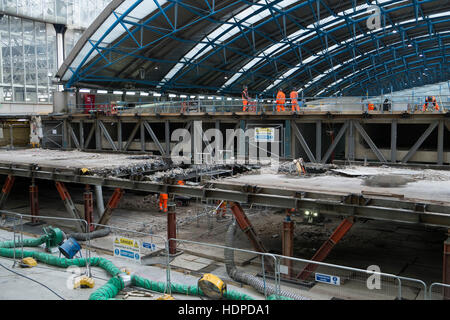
(320, 47)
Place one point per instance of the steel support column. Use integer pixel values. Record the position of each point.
(335, 142)
(326, 248)
(318, 140)
(351, 141)
(287, 139)
(112, 204)
(394, 141)
(369, 141)
(119, 135)
(167, 137)
(172, 228)
(302, 141)
(440, 143)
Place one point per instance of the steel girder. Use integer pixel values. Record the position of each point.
(371, 59)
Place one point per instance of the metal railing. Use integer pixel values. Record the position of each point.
(347, 282)
(21, 216)
(258, 105)
(261, 257)
(124, 232)
(439, 291)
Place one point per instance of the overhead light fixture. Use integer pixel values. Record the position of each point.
(85, 90)
(102, 91)
(171, 95)
(192, 97)
(183, 96)
(229, 99)
(130, 93)
(210, 98)
(201, 97)
(156, 94)
(145, 94)
(117, 92)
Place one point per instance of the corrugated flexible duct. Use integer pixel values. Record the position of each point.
(246, 278)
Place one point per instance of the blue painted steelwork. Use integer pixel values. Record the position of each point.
(368, 62)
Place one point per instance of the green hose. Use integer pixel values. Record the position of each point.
(115, 284)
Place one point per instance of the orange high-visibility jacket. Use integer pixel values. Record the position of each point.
(371, 106)
(281, 98)
(294, 96)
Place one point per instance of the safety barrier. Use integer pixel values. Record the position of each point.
(264, 262)
(19, 229)
(341, 282)
(439, 291)
(146, 245)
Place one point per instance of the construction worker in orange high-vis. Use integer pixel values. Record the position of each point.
(371, 106)
(163, 198)
(180, 182)
(281, 99)
(294, 102)
(430, 99)
(245, 99)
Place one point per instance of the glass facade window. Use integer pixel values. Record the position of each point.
(28, 48)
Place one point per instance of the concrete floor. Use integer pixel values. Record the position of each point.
(400, 249)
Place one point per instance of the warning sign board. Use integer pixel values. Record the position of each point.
(127, 248)
(264, 134)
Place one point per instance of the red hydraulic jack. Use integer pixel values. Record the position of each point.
(89, 208)
(7, 186)
(112, 204)
(34, 203)
(325, 249)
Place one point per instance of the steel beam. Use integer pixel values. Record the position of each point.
(90, 135)
(98, 135)
(112, 204)
(154, 138)
(287, 139)
(302, 141)
(106, 135)
(335, 142)
(326, 247)
(132, 135)
(369, 141)
(419, 142)
(142, 139)
(74, 136)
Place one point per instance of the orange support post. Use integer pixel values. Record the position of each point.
(246, 226)
(88, 208)
(34, 204)
(7, 186)
(325, 249)
(68, 203)
(112, 204)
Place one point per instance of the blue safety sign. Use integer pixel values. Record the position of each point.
(326, 278)
(127, 248)
(149, 245)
